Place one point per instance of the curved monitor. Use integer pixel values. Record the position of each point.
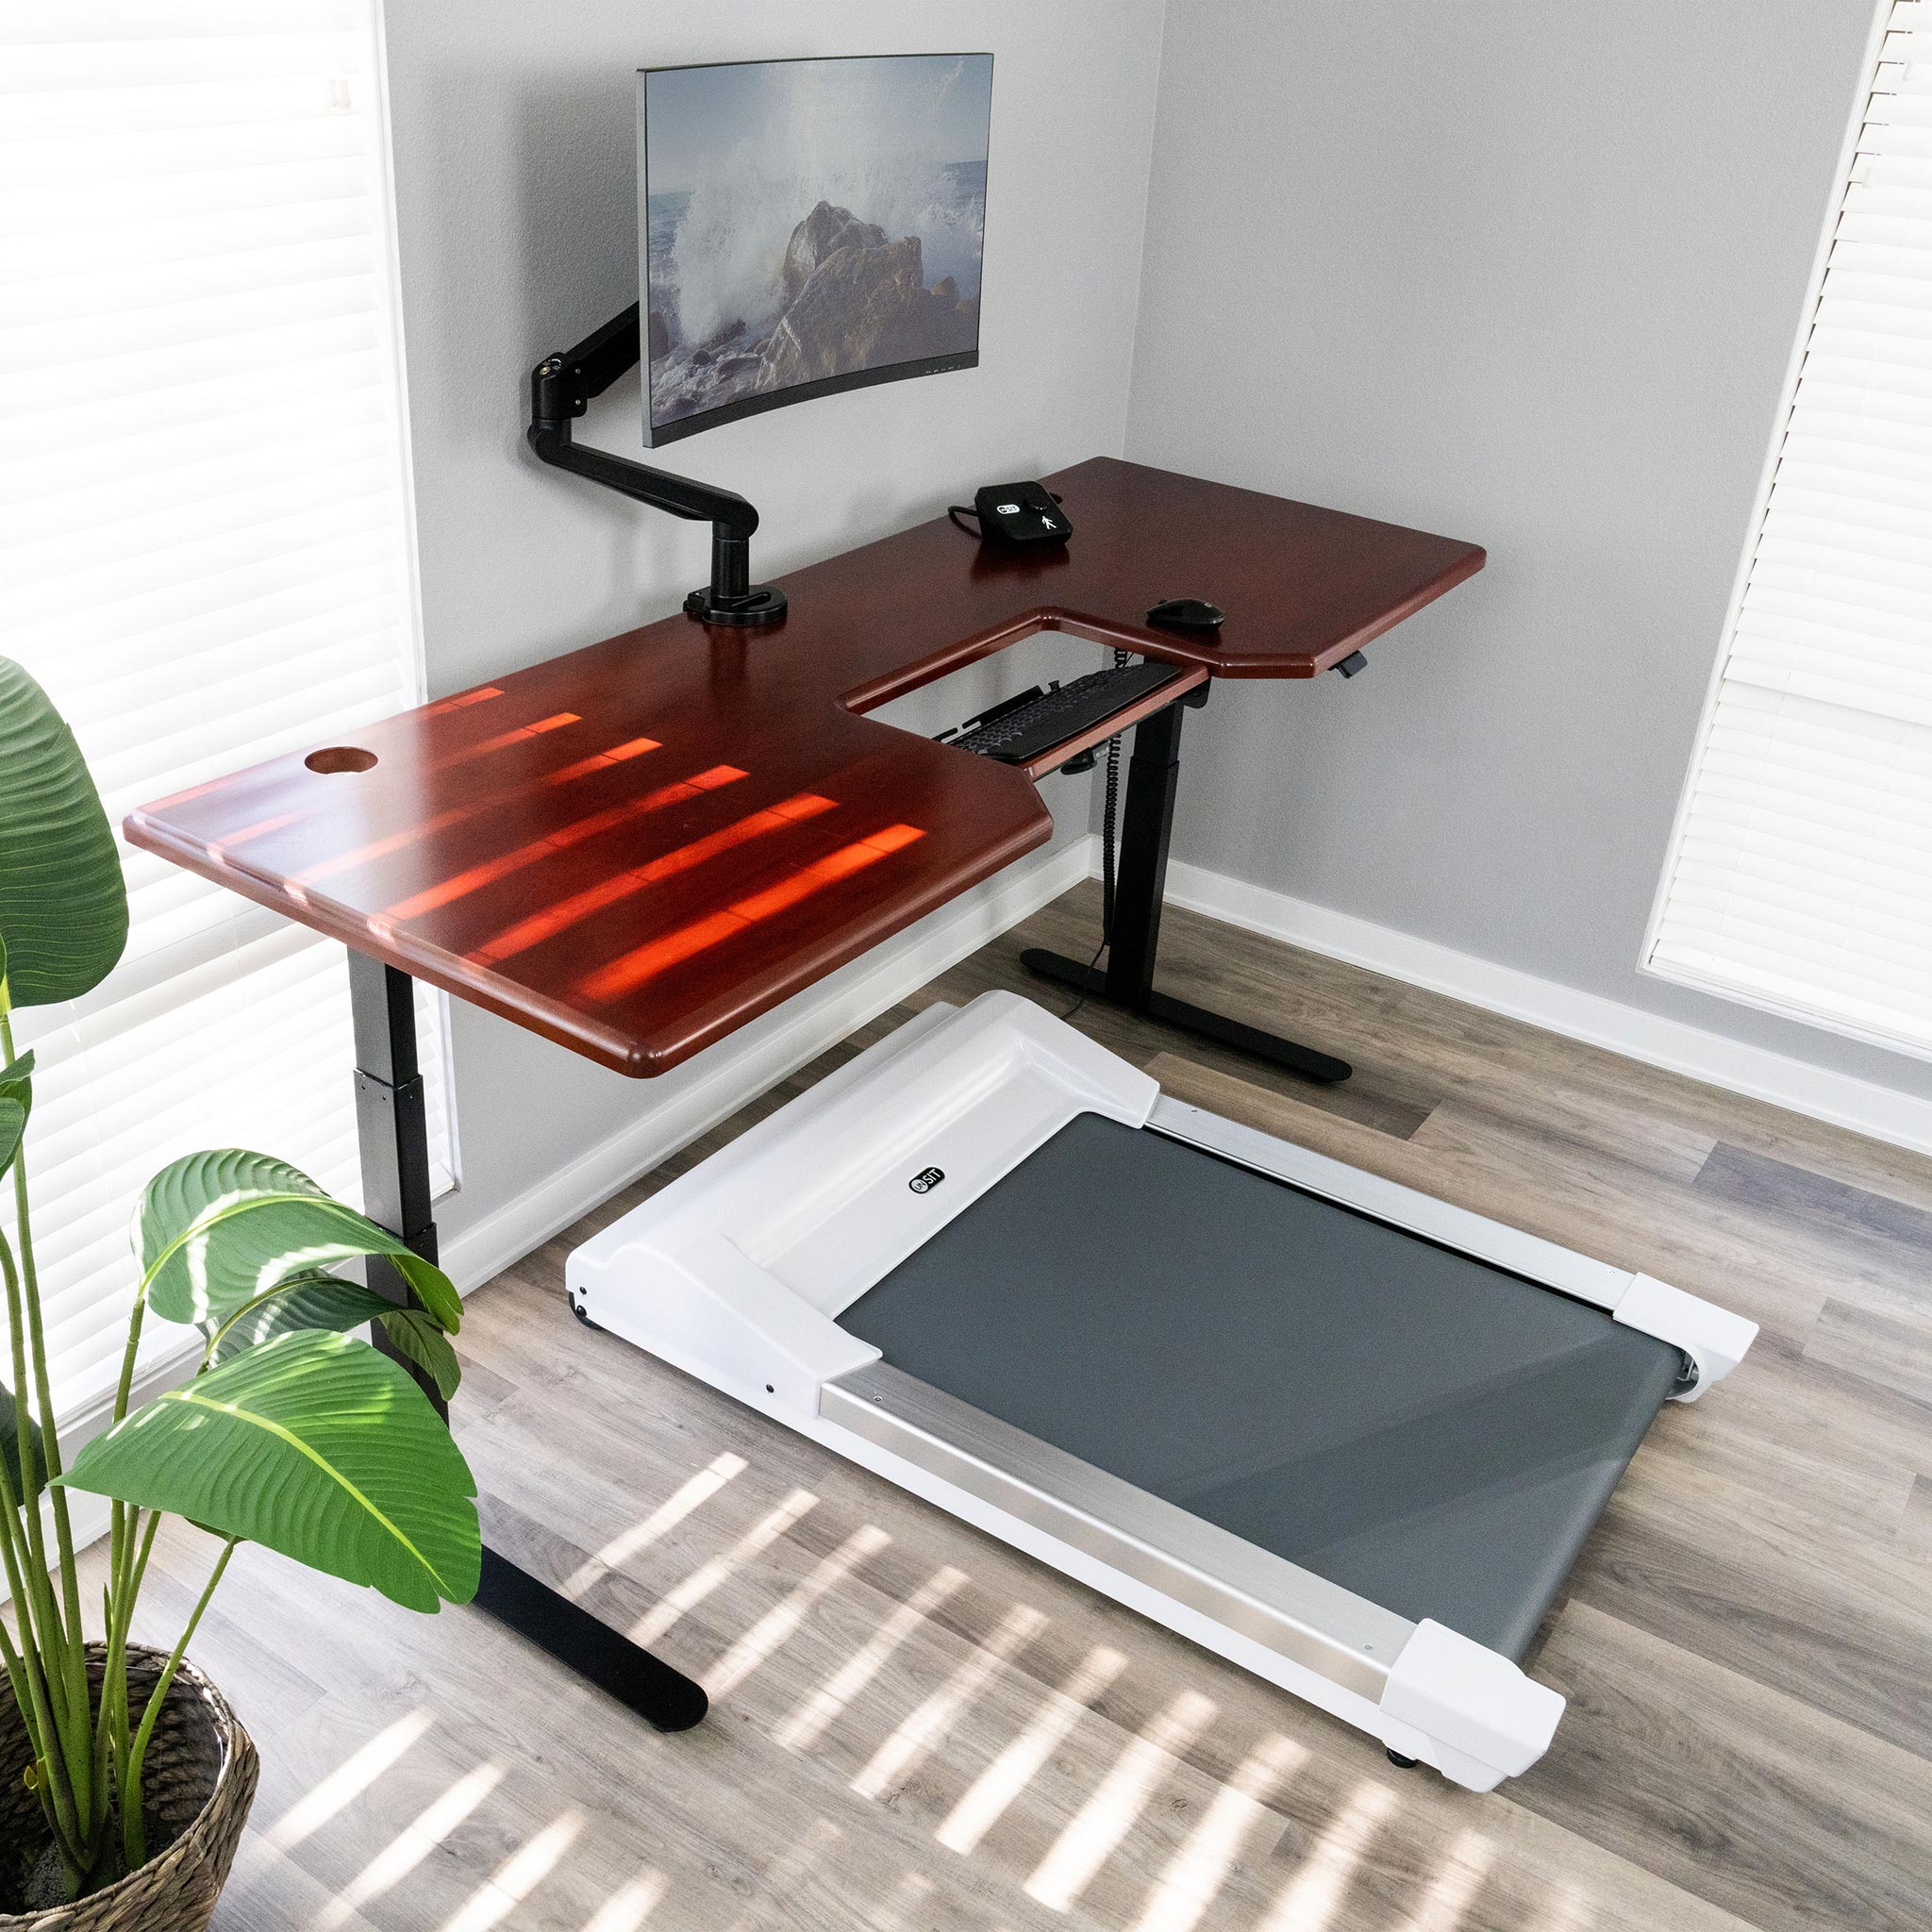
(805, 226)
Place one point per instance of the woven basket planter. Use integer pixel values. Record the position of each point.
(198, 1783)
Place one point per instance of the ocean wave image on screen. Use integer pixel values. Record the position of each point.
(808, 220)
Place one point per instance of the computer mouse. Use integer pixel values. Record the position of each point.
(1186, 613)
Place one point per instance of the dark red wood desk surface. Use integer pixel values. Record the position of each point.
(634, 849)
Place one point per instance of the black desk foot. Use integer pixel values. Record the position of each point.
(1090, 980)
(566, 1631)
(391, 1120)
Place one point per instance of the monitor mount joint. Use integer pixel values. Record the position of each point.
(561, 386)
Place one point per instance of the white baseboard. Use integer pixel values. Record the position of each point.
(720, 1082)
(1902, 1119)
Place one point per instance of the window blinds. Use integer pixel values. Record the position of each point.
(206, 557)
(1801, 874)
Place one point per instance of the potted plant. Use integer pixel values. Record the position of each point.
(124, 1779)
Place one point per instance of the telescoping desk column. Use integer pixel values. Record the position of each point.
(637, 848)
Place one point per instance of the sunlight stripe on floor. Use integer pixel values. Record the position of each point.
(1015, 1768)
(908, 1897)
(927, 1725)
(1454, 1888)
(626, 1910)
(784, 1618)
(410, 1845)
(1097, 1829)
(1565, 1911)
(805, 1723)
(1307, 1902)
(666, 1516)
(1198, 1871)
(349, 1780)
(708, 1576)
(518, 1876)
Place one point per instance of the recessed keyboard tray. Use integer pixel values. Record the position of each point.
(1019, 733)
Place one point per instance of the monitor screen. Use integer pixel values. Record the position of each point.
(807, 227)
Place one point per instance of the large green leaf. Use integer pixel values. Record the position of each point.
(414, 1335)
(325, 1301)
(226, 1225)
(9, 1444)
(309, 1301)
(16, 1095)
(63, 908)
(314, 1445)
(16, 1076)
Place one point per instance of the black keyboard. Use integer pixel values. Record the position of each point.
(1018, 731)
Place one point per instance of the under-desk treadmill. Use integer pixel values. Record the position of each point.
(1343, 1433)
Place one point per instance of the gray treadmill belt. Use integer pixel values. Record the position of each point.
(1431, 1432)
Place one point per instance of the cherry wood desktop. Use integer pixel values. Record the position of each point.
(635, 849)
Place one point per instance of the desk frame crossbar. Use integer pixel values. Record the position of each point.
(393, 1128)
(1128, 979)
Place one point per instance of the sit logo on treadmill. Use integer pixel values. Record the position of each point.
(926, 1179)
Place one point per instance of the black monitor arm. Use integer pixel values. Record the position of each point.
(561, 388)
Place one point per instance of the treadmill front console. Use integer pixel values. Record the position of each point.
(1347, 1436)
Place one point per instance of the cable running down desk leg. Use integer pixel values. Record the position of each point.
(393, 1128)
(1146, 829)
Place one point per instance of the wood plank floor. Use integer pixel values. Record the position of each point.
(915, 1727)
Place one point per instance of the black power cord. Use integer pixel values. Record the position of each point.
(1109, 816)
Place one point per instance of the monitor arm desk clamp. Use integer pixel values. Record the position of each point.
(635, 849)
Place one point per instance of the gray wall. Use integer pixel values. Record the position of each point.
(515, 185)
(1529, 275)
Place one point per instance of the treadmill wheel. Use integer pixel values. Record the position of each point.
(1396, 1758)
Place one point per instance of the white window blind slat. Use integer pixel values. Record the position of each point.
(1800, 520)
(1881, 171)
(321, 426)
(1800, 871)
(1892, 417)
(1859, 456)
(204, 557)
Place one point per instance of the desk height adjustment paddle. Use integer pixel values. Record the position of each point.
(391, 1123)
(1127, 981)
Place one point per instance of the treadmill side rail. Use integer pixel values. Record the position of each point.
(1712, 1341)
(1494, 1241)
(1303, 1616)
(1425, 1691)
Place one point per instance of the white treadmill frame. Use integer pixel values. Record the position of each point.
(737, 1271)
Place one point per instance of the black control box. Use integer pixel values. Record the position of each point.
(1019, 513)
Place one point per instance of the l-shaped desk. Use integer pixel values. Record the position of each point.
(636, 848)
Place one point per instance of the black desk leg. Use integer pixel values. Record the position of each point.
(393, 1127)
(1140, 883)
